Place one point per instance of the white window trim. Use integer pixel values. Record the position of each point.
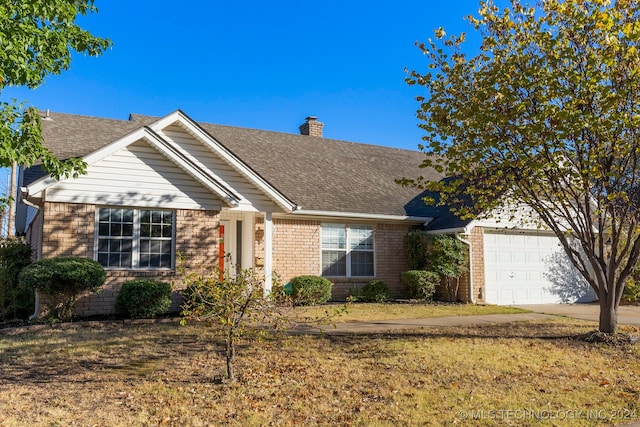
(348, 251)
(135, 244)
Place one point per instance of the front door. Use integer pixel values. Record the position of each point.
(236, 243)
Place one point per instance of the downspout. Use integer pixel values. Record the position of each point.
(36, 300)
(36, 303)
(472, 297)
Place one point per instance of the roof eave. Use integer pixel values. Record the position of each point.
(37, 188)
(179, 116)
(364, 216)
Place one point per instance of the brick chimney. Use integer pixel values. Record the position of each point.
(311, 127)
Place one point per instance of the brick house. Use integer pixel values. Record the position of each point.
(158, 187)
(285, 203)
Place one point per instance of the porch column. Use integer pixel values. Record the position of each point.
(268, 249)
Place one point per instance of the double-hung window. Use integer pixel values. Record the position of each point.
(135, 238)
(347, 250)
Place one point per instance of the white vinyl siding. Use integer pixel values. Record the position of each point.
(138, 175)
(135, 238)
(200, 154)
(347, 250)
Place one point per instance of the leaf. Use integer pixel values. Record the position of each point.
(541, 118)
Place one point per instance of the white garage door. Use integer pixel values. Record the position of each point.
(530, 268)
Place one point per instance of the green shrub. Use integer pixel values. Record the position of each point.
(62, 280)
(16, 302)
(422, 284)
(374, 291)
(415, 248)
(449, 258)
(310, 290)
(141, 298)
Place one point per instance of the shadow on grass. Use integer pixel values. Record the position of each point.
(173, 354)
(515, 330)
(84, 355)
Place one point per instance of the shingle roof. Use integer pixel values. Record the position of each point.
(316, 173)
(444, 219)
(71, 135)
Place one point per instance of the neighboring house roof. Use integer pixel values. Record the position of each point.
(318, 174)
(443, 217)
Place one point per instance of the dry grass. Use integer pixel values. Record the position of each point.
(165, 374)
(375, 312)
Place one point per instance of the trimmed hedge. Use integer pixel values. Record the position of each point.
(310, 290)
(63, 279)
(422, 284)
(142, 298)
(374, 291)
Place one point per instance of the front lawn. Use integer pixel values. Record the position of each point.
(357, 312)
(522, 373)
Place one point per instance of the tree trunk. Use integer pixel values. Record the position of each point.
(608, 314)
(12, 204)
(230, 373)
(230, 353)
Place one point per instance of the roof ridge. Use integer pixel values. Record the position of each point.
(306, 137)
(133, 116)
(45, 113)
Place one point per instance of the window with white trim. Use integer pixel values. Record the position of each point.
(135, 238)
(347, 250)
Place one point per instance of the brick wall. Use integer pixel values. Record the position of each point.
(391, 260)
(296, 251)
(463, 291)
(69, 231)
(476, 238)
(34, 235)
(296, 248)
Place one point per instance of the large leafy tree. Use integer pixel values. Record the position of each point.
(37, 39)
(547, 116)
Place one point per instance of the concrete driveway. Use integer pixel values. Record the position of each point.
(627, 314)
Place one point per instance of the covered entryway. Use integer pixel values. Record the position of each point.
(237, 239)
(530, 268)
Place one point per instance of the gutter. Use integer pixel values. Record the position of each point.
(456, 230)
(36, 303)
(383, 217)
(24, 194)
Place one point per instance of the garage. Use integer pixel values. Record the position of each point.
(530, 268)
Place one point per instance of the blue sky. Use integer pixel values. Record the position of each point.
(258, 64)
